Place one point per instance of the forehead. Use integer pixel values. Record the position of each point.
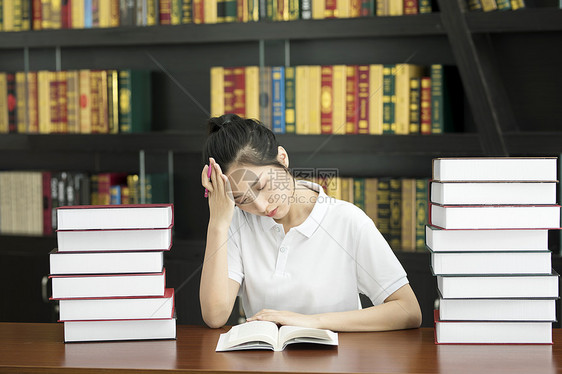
(242, 176)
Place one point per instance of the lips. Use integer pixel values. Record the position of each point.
(272, 213)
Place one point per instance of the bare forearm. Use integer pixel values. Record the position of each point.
(214, 290)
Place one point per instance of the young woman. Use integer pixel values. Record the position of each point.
(293, 254)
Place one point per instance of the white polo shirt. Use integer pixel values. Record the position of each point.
(319, 266)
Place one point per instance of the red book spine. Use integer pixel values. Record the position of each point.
(165, 12)
(12, 102)
(65, 14)
(331, 9)
(36, 15)
(411, 7)
(363, 95)
(54, 102)
(47, 204)
(198, 11)
(425, 106)
(326, 99)
(62, 102)
(239, 91)
(228, 90)
(351, 110)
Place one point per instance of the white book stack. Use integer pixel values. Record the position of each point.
(488, 239)
(108, 272)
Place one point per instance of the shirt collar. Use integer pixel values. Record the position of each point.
(312, 222)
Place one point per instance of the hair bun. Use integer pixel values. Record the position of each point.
(217, 123)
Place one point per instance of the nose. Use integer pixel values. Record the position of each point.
(261, 204)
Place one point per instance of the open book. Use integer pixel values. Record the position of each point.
(266, 335)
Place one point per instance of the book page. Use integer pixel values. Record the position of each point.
(294, 334)
(252, 331)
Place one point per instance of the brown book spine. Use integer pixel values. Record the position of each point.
(363, 97)
(425, 106)
(198, 11)
(32, 103)
(165, 12)
(326, 99)
(85, 102)
(73, 106)
(331, 9)
(229, 90)
(37, 18)
(103, 103)
(95, 97)
(54, 102)
(352, 88)
(239, 91)
(12, 102)
(21, 103)
(355, 8)
(411, 7)
(62, 102)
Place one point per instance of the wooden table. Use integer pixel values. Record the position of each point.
(39, 348)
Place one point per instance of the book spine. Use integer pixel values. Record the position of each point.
(367, 8)
(330, 8)
(229, 90)
(153, 12)
(32, 104)
(88, 14)
(415, 105)
(47, 203)
(302, 99)
(339, 99)
(425, 6)
(242, 8)
(113, 101)
(396, 7)
(421, 212)
(265, 96)
(382, 8)
(371, 198)
(363, 99)
(503, 4)
(53, 103)
(326, 100)
(474, 5)
(21, 103)
(230, 11)
(95, 99)
(306, 9)
(141, 101)
(85, 119)
(489, 5)
(294, 10)
(252, 92)
(198, 11)
(239, 91)
(17, 14)
(318, 9)
(351, 107)
(389, 99)
(383, 207)
(253, 10)
(12, 102)
(395, 213)
(519, 4)
(43, 87)
(221, 10)
(425, 106)
(278, 99)
(103, 102)
(66, 16)
(355, 8)
(290, 97)
(315, 81)
(210, 11)
(62, 102)
(165, 16)
(36, 23)
(359, 193)
(26, 15)
(186, 12)
(4, 126)
(408, 238)
(411, 7)
(114, 13)
(437, 107)
(217, 91)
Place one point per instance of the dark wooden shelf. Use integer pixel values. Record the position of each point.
(418, 25)
(446, 144)
(523, 20)
(534, 143)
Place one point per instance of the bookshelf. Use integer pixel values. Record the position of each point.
(503, 115)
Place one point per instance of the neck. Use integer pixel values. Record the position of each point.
(300, 206)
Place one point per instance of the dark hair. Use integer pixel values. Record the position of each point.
(236, 140)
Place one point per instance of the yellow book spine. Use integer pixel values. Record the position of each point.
(62, 100)
(408, 215)
(315, 91)
(343, 9)
(8, 14)
(21, 102)
(151, 16)
(217, 91)
(4, 127)
(404, 72)
(302, 99)
(375, 99)
(45, 14)
(396, 7)
(73, 105)
(56, 15)
(371, 198)
(210, 11)
(113, 101)
(175, 12)
(489, 5)
(252, 92)
(77, 9)
(103, 103)
(85, 102)
(114, 13)
(32, 103)
(105, 13)
(339, 99)
(43, 99)
(318, 9)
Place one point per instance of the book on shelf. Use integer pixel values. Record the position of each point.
(512, 169)
(105, 262)
(492, 332)
(123, 308)
(108, 285)
(529, 309)
(266, 335)
(495, 216)
(493, 193)
(107, 217)
(138, 329)
(438, 240)
(498, 286)
(114, 240)
(519, 262)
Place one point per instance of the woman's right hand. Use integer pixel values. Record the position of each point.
(221, 202)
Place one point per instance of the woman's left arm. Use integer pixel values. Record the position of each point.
(399, 311)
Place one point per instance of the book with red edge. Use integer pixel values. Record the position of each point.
(107, 217)
(108, 285)
(118, 308)
(491, 332)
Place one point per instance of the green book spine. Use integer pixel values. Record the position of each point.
(1, 15)
(425, 6)
(503, 4)
(388, 99)
(135, 112)
(415, 94)
(221, 11)
(395, 213)
(290, 104)
(294, 10)
(437, 113)
(176, 12)
(474, 5)
(230, 10)
(186, 9)
(383, 207)
(421, 212)
(359, 192)
(157, 188)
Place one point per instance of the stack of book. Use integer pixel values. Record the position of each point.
(108, 272)
(488, 238)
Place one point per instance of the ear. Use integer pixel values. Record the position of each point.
(282, 156)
